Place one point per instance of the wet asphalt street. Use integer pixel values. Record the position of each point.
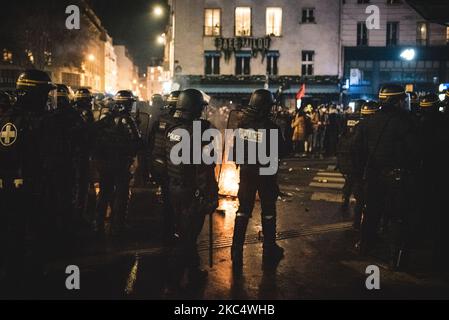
(319, 263)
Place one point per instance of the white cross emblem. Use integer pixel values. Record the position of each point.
(8, 135)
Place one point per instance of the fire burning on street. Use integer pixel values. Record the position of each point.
(229, 180)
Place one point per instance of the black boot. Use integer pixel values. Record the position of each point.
(241, 223)
(272, 253)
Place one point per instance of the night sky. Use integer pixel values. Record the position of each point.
(132, 23)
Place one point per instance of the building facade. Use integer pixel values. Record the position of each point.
(241, 45)
(405, 48)
(92, 71)
(158, 81)
(110, 67)
(96, 68)
(127, 72)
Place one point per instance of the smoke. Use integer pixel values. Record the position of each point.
(217, 113)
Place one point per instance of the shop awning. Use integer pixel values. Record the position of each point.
(248, 89)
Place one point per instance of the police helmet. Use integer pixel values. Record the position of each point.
(369, 108)
(157, 101)
(33, 89)
(392, 95)
(261, 102)
(173, 98)
(125, 98)
(191, 101)
(84, 98)
(34, 81)
(429, 102)
(63, 95)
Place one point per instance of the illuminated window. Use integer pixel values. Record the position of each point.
(7, 56)
(447, 34)
(274, 22)
(212, 22)
(30, 56)
(243, 21)
(422, 35)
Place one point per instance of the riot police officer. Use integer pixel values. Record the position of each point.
(433, 134)
(388, 145)
(158, 165)
(5, 102)
(192, 187)
(25, 149)
(83, 103)
(117, 141)
(368, 109)
(157, 101)
(347, 161)
(70, 143)
(345, 157)
(257, 116)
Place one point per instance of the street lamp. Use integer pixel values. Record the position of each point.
(158, 11)
(408, 54)
(161, 39)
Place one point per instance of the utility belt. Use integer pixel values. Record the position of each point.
(11, 183)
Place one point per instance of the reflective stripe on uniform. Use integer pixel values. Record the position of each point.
(427, 104)
(29, 82)
(391, 94)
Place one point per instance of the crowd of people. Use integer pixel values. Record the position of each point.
(312, 132)
(49, 144)
(53, 149)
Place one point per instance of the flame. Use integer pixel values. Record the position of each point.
(229, 180)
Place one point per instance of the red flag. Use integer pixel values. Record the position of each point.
(302, 92)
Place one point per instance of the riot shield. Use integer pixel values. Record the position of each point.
(228, 175)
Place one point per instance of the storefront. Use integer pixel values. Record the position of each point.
(366, 69)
